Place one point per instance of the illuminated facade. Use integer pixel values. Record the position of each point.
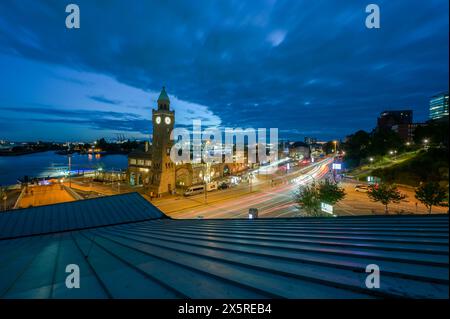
(153, 169)
(439, 106)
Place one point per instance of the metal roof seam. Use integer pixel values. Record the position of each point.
(102, 284)
(180, 294)
(338, 252)
(280, 240)
(267, 293)
(353, 268)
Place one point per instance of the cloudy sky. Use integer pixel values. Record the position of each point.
(308, 68)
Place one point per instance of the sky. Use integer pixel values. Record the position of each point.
(308, 68)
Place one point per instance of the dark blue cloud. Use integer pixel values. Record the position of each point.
(302, 66)
(103, 99)
(101, 120)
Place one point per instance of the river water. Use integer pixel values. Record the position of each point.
(50, 164)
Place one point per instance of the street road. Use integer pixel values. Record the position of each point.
(357, 203)
(272, 194)
(273, 197)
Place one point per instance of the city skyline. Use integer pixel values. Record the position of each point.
(224, 150)
(230, 64)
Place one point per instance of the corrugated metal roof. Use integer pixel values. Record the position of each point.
(88, 213)
(265, 258)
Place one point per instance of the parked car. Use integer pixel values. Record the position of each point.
(223, 186)
(199, 189)
(193, 190)
(361, 188)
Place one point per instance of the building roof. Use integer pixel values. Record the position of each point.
(441, 94)
(75, 215)
(163, 95)
(262, 258)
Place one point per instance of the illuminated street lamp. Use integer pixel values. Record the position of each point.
(394, 152)
(70, 168)
(425, 142)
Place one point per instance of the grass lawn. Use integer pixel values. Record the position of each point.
(361, 172)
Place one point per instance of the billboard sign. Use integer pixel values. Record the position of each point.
(326, 208)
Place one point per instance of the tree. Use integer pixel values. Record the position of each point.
(362, 145)
(384, 140)
(437, 132)
(431, 194)
(355, 148)
(331, 147)
(330, 192)
(311, 196)
(385, 194)
(102, 143)
(308, 198)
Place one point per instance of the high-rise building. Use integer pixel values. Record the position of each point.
(388, 119)
(439, 106)
(406, 131)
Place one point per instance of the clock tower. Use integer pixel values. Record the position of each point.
(163, 169)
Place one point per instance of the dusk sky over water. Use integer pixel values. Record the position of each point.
(308, 68)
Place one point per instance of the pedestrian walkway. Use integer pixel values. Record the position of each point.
(44, 195)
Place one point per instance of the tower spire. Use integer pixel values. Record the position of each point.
(163, 100)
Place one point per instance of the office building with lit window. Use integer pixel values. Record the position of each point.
(439, 106)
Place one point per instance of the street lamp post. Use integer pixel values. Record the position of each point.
(70, 168)
(425, 143)
(205, 183)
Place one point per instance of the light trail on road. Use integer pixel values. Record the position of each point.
(272, 201)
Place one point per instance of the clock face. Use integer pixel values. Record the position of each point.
(158, 119)
(167, 120)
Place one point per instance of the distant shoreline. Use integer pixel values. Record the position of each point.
(28, 152)
(50, 163)
(19, 153)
